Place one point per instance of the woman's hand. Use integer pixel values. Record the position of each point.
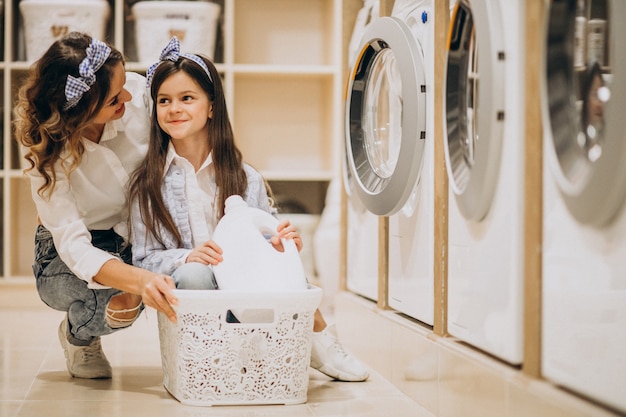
(155, 289)
(157, 293)
(209, 253)
(286, 231)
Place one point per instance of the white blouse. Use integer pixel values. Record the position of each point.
(94, 196)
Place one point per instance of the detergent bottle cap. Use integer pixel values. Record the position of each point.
(233, 203)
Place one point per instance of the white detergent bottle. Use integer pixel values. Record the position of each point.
(250, 262)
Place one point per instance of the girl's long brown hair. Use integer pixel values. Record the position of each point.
(147, 180)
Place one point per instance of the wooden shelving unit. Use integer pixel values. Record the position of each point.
(281, 63)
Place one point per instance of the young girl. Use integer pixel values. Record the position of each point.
(178, 192)
(83, 125)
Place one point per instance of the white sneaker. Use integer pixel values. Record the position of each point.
(84, 361)
(328, 357)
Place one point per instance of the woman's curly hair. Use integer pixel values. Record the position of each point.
(48, 133)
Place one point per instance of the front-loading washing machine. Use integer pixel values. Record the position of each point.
(389, 148)
(411, 230)
(584, 193)
(361, 249)
(362, 236)
(484, 150)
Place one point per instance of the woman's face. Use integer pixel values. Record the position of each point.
(114, 108)
(183, 108)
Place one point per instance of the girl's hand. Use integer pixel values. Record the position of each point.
(286, 231)
(209, 253)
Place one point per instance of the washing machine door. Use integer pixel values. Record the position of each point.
(475, 97)
(386, 117)
(586, 91)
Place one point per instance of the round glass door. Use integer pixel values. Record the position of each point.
(382, 114)
(585, 100)
(386, 117)
(475, 93)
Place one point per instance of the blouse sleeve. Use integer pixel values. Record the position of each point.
(71, 237)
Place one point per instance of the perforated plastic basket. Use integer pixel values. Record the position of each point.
(262, 360)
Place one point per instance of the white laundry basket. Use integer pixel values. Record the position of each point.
(194, 23)
(209, 361)
(45, 21)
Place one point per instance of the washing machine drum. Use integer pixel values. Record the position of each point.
(386, 117)
(585, 100)
(474, 78)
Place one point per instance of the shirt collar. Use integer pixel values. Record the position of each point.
(110, 130)
(169, 158)
(172, 158)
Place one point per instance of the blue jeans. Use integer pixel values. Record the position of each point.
(62, 290)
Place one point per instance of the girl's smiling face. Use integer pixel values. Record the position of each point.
(183, 107)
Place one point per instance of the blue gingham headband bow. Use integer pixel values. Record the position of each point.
(97, 54)
(171, 52)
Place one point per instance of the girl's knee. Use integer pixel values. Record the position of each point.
(194, 276)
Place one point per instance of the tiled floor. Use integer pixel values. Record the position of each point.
(34, 381)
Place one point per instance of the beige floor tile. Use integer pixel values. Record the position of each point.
(10, 408)
(415, 366)
(539, 398)
(468, 387)
(399, 406)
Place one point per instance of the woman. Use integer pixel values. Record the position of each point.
(82, 122)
